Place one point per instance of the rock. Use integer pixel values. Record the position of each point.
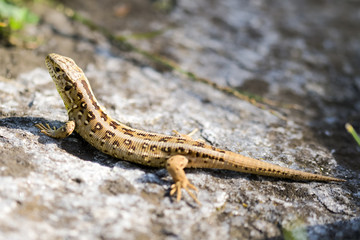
(294, 52)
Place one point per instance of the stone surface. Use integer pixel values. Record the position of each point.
(292, 52)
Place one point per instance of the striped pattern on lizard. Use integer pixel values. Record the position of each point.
(174, 153)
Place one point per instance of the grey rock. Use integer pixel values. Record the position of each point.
(287, 51)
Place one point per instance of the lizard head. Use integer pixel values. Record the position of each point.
(67, 77)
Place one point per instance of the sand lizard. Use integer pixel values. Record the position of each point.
(174, 153)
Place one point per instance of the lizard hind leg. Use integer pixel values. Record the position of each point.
(187, 136)
(175, 166)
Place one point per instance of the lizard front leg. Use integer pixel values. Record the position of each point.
(175, 166)
(62, 132)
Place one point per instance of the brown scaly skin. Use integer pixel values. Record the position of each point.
(175, 153)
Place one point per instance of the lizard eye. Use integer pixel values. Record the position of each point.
(67, 87)
(57, 69)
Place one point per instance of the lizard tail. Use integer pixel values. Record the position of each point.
(239, 163)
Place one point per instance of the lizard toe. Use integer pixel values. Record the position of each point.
(176, 189)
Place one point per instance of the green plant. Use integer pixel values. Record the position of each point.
(352, 131)
(17, 16)
(13, 18)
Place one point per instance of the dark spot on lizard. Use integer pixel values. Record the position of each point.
(114, 124)
(180, 149)
(127, 129)
(90, 116)
(83, 104)
(109, 134)
(96, 106)
(131, 150)
(165, 149)
(97, 126)
(115, 144)
(103, 115)
(141, 134)
(199, 144)
(180, 140)
(80, 96)
(67, 88)
(130, 134)
(164, 139)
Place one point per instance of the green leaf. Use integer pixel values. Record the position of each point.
(18, 16)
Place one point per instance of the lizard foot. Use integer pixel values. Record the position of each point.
(176, 188)
(47, 130)
(61, 132)
(187, 136)
(175, 166)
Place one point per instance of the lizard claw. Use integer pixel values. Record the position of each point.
(186, 136)
(175, 166)
(54, 132)
(176, 188)
(47, 130)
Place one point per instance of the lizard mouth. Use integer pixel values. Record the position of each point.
(49, 66)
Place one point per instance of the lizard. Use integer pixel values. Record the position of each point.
(174, 153)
